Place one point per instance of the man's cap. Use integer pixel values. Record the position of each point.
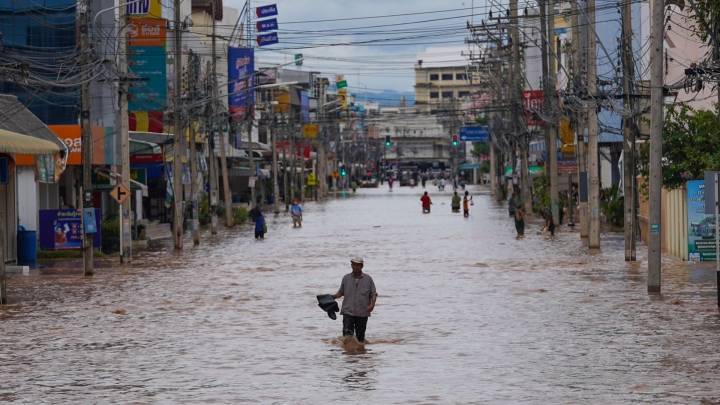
(357, 259)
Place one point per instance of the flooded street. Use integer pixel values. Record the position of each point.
(465, 314)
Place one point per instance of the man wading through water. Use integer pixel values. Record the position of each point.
(360, 295)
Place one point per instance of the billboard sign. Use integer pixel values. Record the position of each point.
(474, 134)
(267, 39)
(241, 93)
(62, 229)
(144, 7)
(267, 25)
(266, 11)
(147, 32)
(149, 93)
(701, 226)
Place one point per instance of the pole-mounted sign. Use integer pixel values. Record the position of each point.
(266, 11)
(267, 25)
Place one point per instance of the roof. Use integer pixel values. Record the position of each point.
(151, 137)
(15, 117)
(12, 142)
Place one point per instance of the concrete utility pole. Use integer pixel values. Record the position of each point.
(628, 132)
(126, 207)
(579, 66)
(273, 146)
(657, 28)
(516, 97)
(178, 134)
(213, 180)
(227, 194)
(194, 185)
(85, 200)
(553, 109)
(592, 121)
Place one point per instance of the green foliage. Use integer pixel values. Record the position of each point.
(481, 149)
(111, 235)
(482, 120)
(204, 210)
(541, 193)
(690, 145)
(485, 167)
(240, 215)
(612, 205)
(707, 16)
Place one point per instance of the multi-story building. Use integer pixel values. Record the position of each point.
(441, 77)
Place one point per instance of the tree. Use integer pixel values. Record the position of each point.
(690, 140)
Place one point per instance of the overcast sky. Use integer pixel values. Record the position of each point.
(385, 65)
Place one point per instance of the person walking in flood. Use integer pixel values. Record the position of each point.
(296, 211)
(520, 222)
(426, 202)
(259, 219)
(467, 198)
(358, 290)
(455, 202)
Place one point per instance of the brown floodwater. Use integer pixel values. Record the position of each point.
(466, 314)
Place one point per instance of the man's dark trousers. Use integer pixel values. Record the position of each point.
(354, 325)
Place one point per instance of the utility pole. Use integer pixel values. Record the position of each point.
(177, 138)
(516, 97)
(227, 194)
(273, 146)
(194, 184)
(213, 180)
(553, 62)
(628, 133)
(125, 208)
(592, 122)
(579, 64)
(87, 143)
(657, 28)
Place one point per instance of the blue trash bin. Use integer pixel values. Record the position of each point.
(27, 247)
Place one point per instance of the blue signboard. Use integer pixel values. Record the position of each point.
(89, 221)
(63, 229)
(474, 134)
(266, 11)
(241, 91)
(267, 39)
(304, 105)
(267, 25)
(148, 64)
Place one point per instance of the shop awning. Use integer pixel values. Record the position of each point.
(12, 142)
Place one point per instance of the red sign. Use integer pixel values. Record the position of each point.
(146, 158)
(300, 149)
(532, 102)
(567, 166)
(147, 31)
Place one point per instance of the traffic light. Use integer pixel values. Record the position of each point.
(343, 172)
(388, 142)
(455, 141)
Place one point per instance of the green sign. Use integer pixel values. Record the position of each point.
(298, 59)
(341, 84)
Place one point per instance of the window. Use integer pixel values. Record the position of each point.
(434, 76)
(447, 94)
(447, 76)
(463, 94)
(461, 76)
(434, 94)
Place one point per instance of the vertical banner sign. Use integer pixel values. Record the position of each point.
(304, 105)
(241, 92)
(266, 11)
(701, 226)
(147, 64)
(532, 101)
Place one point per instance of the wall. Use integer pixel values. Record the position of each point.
(674, 228)
(27, 196)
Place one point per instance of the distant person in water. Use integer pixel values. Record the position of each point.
(467, 198)
(455, 202)
(296, 211)
(520, 222)
(358, 290)
(426, 202)
(259, 219)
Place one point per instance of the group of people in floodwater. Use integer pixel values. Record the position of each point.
(455, 202)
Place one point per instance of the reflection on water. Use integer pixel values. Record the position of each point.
(466, 314)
